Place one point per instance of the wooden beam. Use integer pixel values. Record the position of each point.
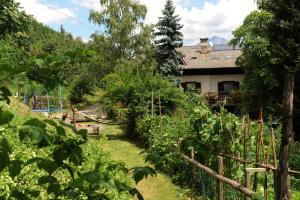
(247, 183)
(256, 170)
(270, 167)
(221, 178)
(220, 188)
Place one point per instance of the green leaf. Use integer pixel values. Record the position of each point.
(4, 158)
(15, 168)
(4, 153)
(61, 131)
(4, 145)
(5, 94)
(47, 165)
(35, 122)
(53, 188)
(50, 122)
(82, 132)
(134, 192)
(142, 172)
(47, 179)
(76, 156)
(19, 195)
(35, 134)
(5, 117)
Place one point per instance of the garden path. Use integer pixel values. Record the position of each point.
(122, 149)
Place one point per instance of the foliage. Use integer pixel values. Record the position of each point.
(129, 97)
(64, 163)
(260, 77)
(126, 41)
(169, 38)
(12, 20)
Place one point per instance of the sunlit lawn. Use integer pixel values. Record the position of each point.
(152, 188)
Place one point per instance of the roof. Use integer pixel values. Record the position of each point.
(207, 57)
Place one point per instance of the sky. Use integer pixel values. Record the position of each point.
(201, 18)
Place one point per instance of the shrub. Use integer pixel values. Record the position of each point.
(129, 97)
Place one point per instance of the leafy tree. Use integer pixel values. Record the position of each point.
(279, 48)
(12, 20)
(169, 38)
(126, 41)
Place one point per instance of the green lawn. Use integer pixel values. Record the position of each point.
(122, 149)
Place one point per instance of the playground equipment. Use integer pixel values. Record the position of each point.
(43, 100)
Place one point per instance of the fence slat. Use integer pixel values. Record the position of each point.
(220, 183)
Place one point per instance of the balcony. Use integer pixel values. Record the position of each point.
(232, 98)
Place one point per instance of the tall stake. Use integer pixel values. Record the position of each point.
(286, 134)
(152, 104)
(258, 144)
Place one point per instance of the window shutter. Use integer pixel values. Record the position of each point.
(184, 85)
(221, 86)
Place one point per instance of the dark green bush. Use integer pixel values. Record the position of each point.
(129, 97)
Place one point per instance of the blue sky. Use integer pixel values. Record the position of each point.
(201, 18)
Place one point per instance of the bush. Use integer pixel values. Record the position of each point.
(129, 97)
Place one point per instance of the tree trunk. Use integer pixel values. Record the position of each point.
(286, 134)
(74, 116)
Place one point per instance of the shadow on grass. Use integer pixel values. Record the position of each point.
(121, 137)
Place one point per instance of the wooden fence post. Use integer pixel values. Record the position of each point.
(193, 153)
(247, 183)
(220, 186)
(289, 194)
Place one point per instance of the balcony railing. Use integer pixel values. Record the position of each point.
(233, 97)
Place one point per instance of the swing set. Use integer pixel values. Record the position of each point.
(43, 100)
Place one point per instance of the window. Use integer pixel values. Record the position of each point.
(227, 86)
(194, 58)
(192, 86)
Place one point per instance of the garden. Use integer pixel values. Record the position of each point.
(158, 141)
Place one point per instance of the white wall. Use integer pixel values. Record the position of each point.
(209, 83)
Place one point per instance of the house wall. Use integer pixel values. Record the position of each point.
(209, 83)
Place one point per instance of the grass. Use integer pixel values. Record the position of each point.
(159, 187)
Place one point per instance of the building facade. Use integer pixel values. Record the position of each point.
(211, 70)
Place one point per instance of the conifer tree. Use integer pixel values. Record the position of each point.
(169, 38)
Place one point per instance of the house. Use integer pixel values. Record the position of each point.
(212, 71)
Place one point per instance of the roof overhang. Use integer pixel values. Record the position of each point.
(212, 71)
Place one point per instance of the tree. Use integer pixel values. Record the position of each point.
(261, 77)
(169, 38)
(12, 20)
(282, 49)
(285, 46)
(126, 41)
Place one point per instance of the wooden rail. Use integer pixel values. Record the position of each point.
(270, 167)
(232, 183)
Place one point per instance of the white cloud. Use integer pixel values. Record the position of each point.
(47, 13)
(212, 19)
(90, 4)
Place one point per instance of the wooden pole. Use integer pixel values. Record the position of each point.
(160, 115)
(220, 186)
(289, 188)
(246, 174)
(193, 153)
(226, 180)
(247, 183)
(258, 144)
(74, 116)
(270, 167)
(273, 148)
(152, 104)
